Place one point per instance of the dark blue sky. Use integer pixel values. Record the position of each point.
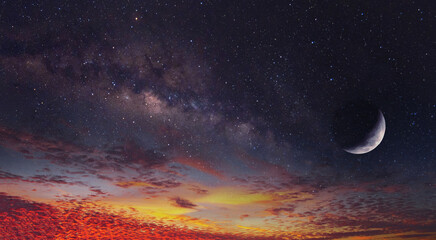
(234, 86)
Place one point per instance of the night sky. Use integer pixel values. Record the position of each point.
(215, 118)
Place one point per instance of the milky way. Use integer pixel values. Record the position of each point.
(214, 119)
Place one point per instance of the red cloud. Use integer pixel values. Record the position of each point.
(200, 165)
(23, 219)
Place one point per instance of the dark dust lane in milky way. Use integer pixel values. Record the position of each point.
(217, 120)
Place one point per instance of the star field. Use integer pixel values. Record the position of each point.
(205, 117)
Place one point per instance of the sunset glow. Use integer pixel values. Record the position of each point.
(195, 120)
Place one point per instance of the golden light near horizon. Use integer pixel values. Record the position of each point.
(217, 120)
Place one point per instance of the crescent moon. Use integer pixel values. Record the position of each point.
(373, 139)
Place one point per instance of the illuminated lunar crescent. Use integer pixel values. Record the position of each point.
(372, 140)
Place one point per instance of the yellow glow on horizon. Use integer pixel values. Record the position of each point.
(234, 196)
(162, 211)
(252, 228)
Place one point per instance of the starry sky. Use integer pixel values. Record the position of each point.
(215, 116)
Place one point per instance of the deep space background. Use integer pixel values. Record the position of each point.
(215, 116)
